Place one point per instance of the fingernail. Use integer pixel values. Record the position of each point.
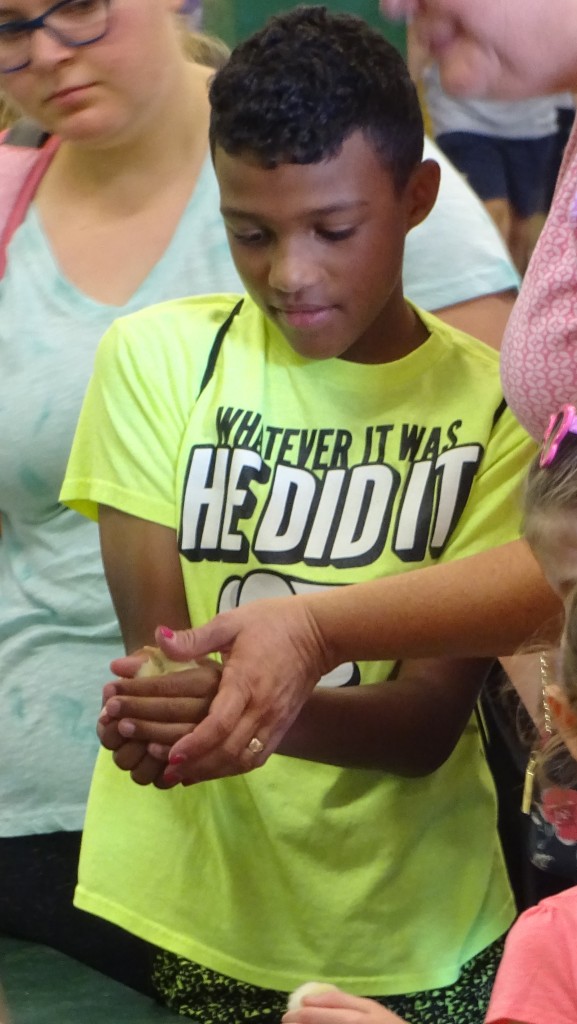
(126, 728)
(165, 631)
(170, 778)
(113, 708)
(177, 759)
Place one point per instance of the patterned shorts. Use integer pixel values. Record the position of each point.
(210, 998)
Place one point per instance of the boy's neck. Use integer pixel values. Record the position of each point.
(386, 342)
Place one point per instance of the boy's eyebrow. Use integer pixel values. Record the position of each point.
(354, 204)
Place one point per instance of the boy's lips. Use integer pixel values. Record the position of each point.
(304, 315)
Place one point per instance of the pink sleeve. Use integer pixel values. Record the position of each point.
(539, 350)
(535, 983)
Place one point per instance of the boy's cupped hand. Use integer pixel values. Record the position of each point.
(142, 718)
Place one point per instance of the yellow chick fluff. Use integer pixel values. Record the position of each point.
(310, 988)
(157, 664)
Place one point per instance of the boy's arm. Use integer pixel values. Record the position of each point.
(145, 580)
(143, 573)
(408, 726)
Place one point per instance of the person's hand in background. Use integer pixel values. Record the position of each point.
(498, 49)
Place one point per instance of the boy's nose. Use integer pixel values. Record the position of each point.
(292, 271)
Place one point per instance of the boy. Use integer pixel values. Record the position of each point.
(319, 432)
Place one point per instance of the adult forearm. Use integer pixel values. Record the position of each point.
(276, 650)
(483, 606)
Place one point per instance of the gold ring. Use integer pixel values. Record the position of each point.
(255, 746)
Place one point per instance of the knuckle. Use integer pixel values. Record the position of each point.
(109, 738)
(129, 755)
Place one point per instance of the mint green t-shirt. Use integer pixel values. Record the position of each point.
(58, 630)
(280, 475)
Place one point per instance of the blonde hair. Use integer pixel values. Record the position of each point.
(9, 112)
(201, 48)
(551, 491)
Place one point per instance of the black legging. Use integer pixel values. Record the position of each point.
(37, 880)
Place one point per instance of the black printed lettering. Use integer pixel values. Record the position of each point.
(411, 438)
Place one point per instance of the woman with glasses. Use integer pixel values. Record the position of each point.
(125, 215)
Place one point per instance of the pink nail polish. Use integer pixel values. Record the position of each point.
(177, 759)
(165, 631)
(170, 778)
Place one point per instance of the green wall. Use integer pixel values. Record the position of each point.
(235, 19)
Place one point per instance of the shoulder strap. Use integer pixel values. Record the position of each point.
(25, 153)
(26, 133)
(217, 345)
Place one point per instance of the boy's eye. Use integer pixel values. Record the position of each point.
(336, 234)
(248, 237)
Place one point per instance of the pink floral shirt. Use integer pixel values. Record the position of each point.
(537, 980)
(539, 354)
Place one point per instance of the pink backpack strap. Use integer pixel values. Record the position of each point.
(21, 171)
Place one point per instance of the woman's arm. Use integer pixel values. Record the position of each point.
(484, 317)
(275, 651)
(485, 605)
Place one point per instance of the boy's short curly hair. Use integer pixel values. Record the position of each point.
(297, 89)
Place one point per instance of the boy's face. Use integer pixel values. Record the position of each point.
(319, 248)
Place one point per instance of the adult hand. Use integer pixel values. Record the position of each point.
(259, 696)
(336, 1007)
(143, 717)
(498, 49)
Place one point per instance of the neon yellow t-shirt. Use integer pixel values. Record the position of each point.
(281, 474)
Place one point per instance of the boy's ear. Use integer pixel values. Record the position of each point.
(421, 192)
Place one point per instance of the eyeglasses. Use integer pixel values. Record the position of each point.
(71, 22)
(561, 423)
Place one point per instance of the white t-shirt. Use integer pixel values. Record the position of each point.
(506, 119)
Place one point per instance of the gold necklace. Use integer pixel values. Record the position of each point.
(529, 782)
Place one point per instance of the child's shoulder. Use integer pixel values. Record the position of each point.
(169, 339)
(556, 913)
(182, 313)
(183, 329)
